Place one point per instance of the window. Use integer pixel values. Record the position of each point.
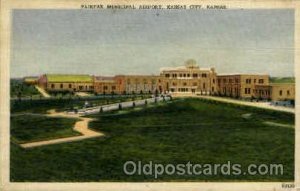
(230, 80)
(195, 75)
(213, 80)
(236, 80)
(113, 87)
(224, 80)
(188, 75)
(184, 83)
(174, 84)
(52, 86)
(261, 81)
(195, 84)
(105, 87)
(61, 86)
(280, 92)
(180, 75)
(248, 81)
(247, 90)
(288, 92)
(167, 75)
(203, 85)
(254, 80)
(70, 85)
(184, 75)
(204, 75)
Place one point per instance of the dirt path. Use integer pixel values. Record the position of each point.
(279, 124)
(83, 94)
(263, 105)
(80, 126)
(42, 91)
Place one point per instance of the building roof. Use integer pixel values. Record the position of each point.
(242, 74)
(282, 84)
(104, 79)
(68, 78)
(183, 68)
(279, 80)
(30, 78)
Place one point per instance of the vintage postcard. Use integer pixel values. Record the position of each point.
(149, 95)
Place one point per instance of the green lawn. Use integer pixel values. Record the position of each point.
(30, 128)
(185, 130)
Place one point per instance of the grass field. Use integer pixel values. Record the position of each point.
(30, 128)
(185, 130)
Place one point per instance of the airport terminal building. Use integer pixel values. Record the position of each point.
(187, 79)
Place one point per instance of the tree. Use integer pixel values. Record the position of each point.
(112, 94)
(19, 95)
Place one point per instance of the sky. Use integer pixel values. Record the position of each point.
(111, 42)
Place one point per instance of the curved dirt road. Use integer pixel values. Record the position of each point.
(80, 126)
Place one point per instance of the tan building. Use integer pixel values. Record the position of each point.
(283, 92)
(66, 83)
(276, 92)
(240, 85)
(184, 79)
(140, 83)
(189, 79)
(105, 85)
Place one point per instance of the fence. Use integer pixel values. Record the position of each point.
(117, 106)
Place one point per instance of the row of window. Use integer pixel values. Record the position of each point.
(260, 81)
(61, 86)
(106, 87)
(137, 81)
(263, 92)
(230, 80)
(184, 75)
(185, 84)
(248, 81)
(287, 92)
(230, 90)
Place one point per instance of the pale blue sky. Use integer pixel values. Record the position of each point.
(107, 42)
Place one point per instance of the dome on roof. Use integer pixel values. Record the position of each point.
(191, 63)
